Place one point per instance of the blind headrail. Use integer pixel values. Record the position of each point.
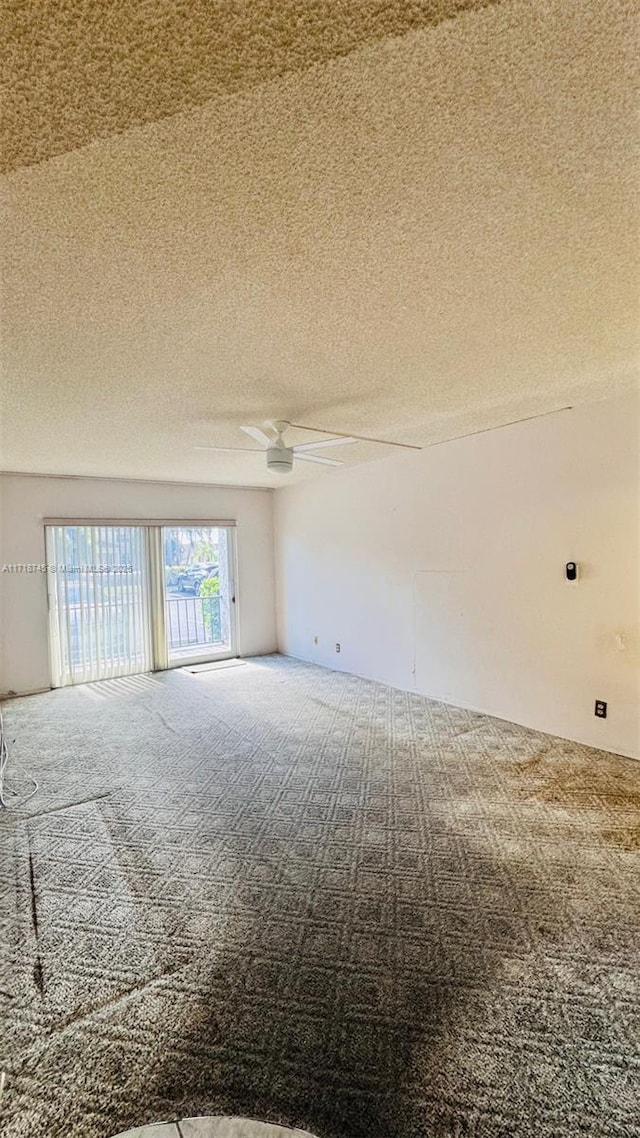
(179, 523)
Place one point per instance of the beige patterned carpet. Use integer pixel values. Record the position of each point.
(290, 894)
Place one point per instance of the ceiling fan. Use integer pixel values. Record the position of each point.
(280, 456)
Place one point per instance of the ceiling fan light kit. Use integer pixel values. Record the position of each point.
(280, 459)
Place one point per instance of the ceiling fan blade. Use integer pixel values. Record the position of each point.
(325, 443)
(232, 450)
(258, 435)
(316, 458)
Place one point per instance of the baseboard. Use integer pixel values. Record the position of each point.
(623, 754)
(4, 695)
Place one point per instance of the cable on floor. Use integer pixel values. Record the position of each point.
(4, 760)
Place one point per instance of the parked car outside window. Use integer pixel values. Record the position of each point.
(192, 578)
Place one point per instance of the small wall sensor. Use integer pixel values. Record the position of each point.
(571, 570)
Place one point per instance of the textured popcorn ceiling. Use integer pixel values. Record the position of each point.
(429, 235)
(78, 70)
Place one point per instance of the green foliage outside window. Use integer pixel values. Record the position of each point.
(210, 594)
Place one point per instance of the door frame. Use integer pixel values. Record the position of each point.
(156, 615)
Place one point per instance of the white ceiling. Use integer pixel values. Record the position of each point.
(425, 236)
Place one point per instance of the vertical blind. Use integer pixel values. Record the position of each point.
(99, 602)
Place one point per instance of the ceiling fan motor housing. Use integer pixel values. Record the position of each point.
(280, 459)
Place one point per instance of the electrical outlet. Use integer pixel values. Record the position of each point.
(601, 709)
(338, 648)
(315, 640)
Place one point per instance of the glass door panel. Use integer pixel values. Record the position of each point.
(199, 593)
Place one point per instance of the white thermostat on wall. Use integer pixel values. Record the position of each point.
(571, 570)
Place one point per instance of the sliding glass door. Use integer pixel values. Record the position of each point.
(199, 593)
(130, 598)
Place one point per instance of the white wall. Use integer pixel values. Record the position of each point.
(25, 500)
(443, 572)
